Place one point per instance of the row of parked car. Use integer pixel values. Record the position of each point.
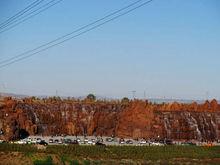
(72, 141)
(92, 140)
(96, 141)
(30, 141)
(64, 141)
(146, 142)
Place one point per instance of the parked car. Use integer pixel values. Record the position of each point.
(68, 141)
(56, 141)
(188, 143)
(99, 144)
(100, 140)
(42, 142)
(142, 142)
(2, 141)
(34, 141)
(168, 142)
(90, 142)
(75, 142)
(86, 140)
(157, 144)
(21, 142)
(50, 140)
(109, 139)
(129, 142)
(121, 141)
(38, 140)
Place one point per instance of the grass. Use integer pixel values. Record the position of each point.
(47, 161)
(74, 162)
(75, 154)
(137, 152)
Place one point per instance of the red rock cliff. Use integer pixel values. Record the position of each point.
(136, 119)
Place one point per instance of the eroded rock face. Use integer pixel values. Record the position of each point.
(190, 125)
(134, 119)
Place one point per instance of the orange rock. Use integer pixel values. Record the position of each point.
(135, 119)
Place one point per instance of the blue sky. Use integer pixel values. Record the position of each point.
(169, 48)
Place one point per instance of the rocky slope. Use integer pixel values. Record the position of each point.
(135, 119)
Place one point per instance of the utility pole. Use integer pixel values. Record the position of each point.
(207, 95)
(3, 89)
(133, 94)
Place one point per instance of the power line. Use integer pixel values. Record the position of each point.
(9, 62)
(75, 31)
(28, 16)
(20, 13)
(94, 27)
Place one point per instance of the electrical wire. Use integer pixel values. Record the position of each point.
(20, 13)
(28, 16)
(9, 62)
(75, 31)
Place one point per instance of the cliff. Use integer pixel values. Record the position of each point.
(134, 119)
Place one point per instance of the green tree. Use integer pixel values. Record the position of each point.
(91, 97)
(125, 100)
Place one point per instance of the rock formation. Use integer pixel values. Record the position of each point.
(134, 119)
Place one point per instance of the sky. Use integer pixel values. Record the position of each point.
(166, 49)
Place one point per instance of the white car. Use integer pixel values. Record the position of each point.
(142, 142)
(21, 142)
(38, 141)
(90, 142)
(34, 141)
(121, 142)
(29, 139)
(50, 140)
(156, 144)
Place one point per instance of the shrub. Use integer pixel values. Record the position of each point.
(47, 161)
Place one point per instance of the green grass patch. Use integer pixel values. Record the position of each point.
(47, 161)
(74, 162)
(86, 162)
(77, 152)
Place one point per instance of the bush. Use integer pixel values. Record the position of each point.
(47, 161)
(74, 162)
(86, 162)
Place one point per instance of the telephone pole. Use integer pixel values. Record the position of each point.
(133, 94)
(144, 94)
(207, 95)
